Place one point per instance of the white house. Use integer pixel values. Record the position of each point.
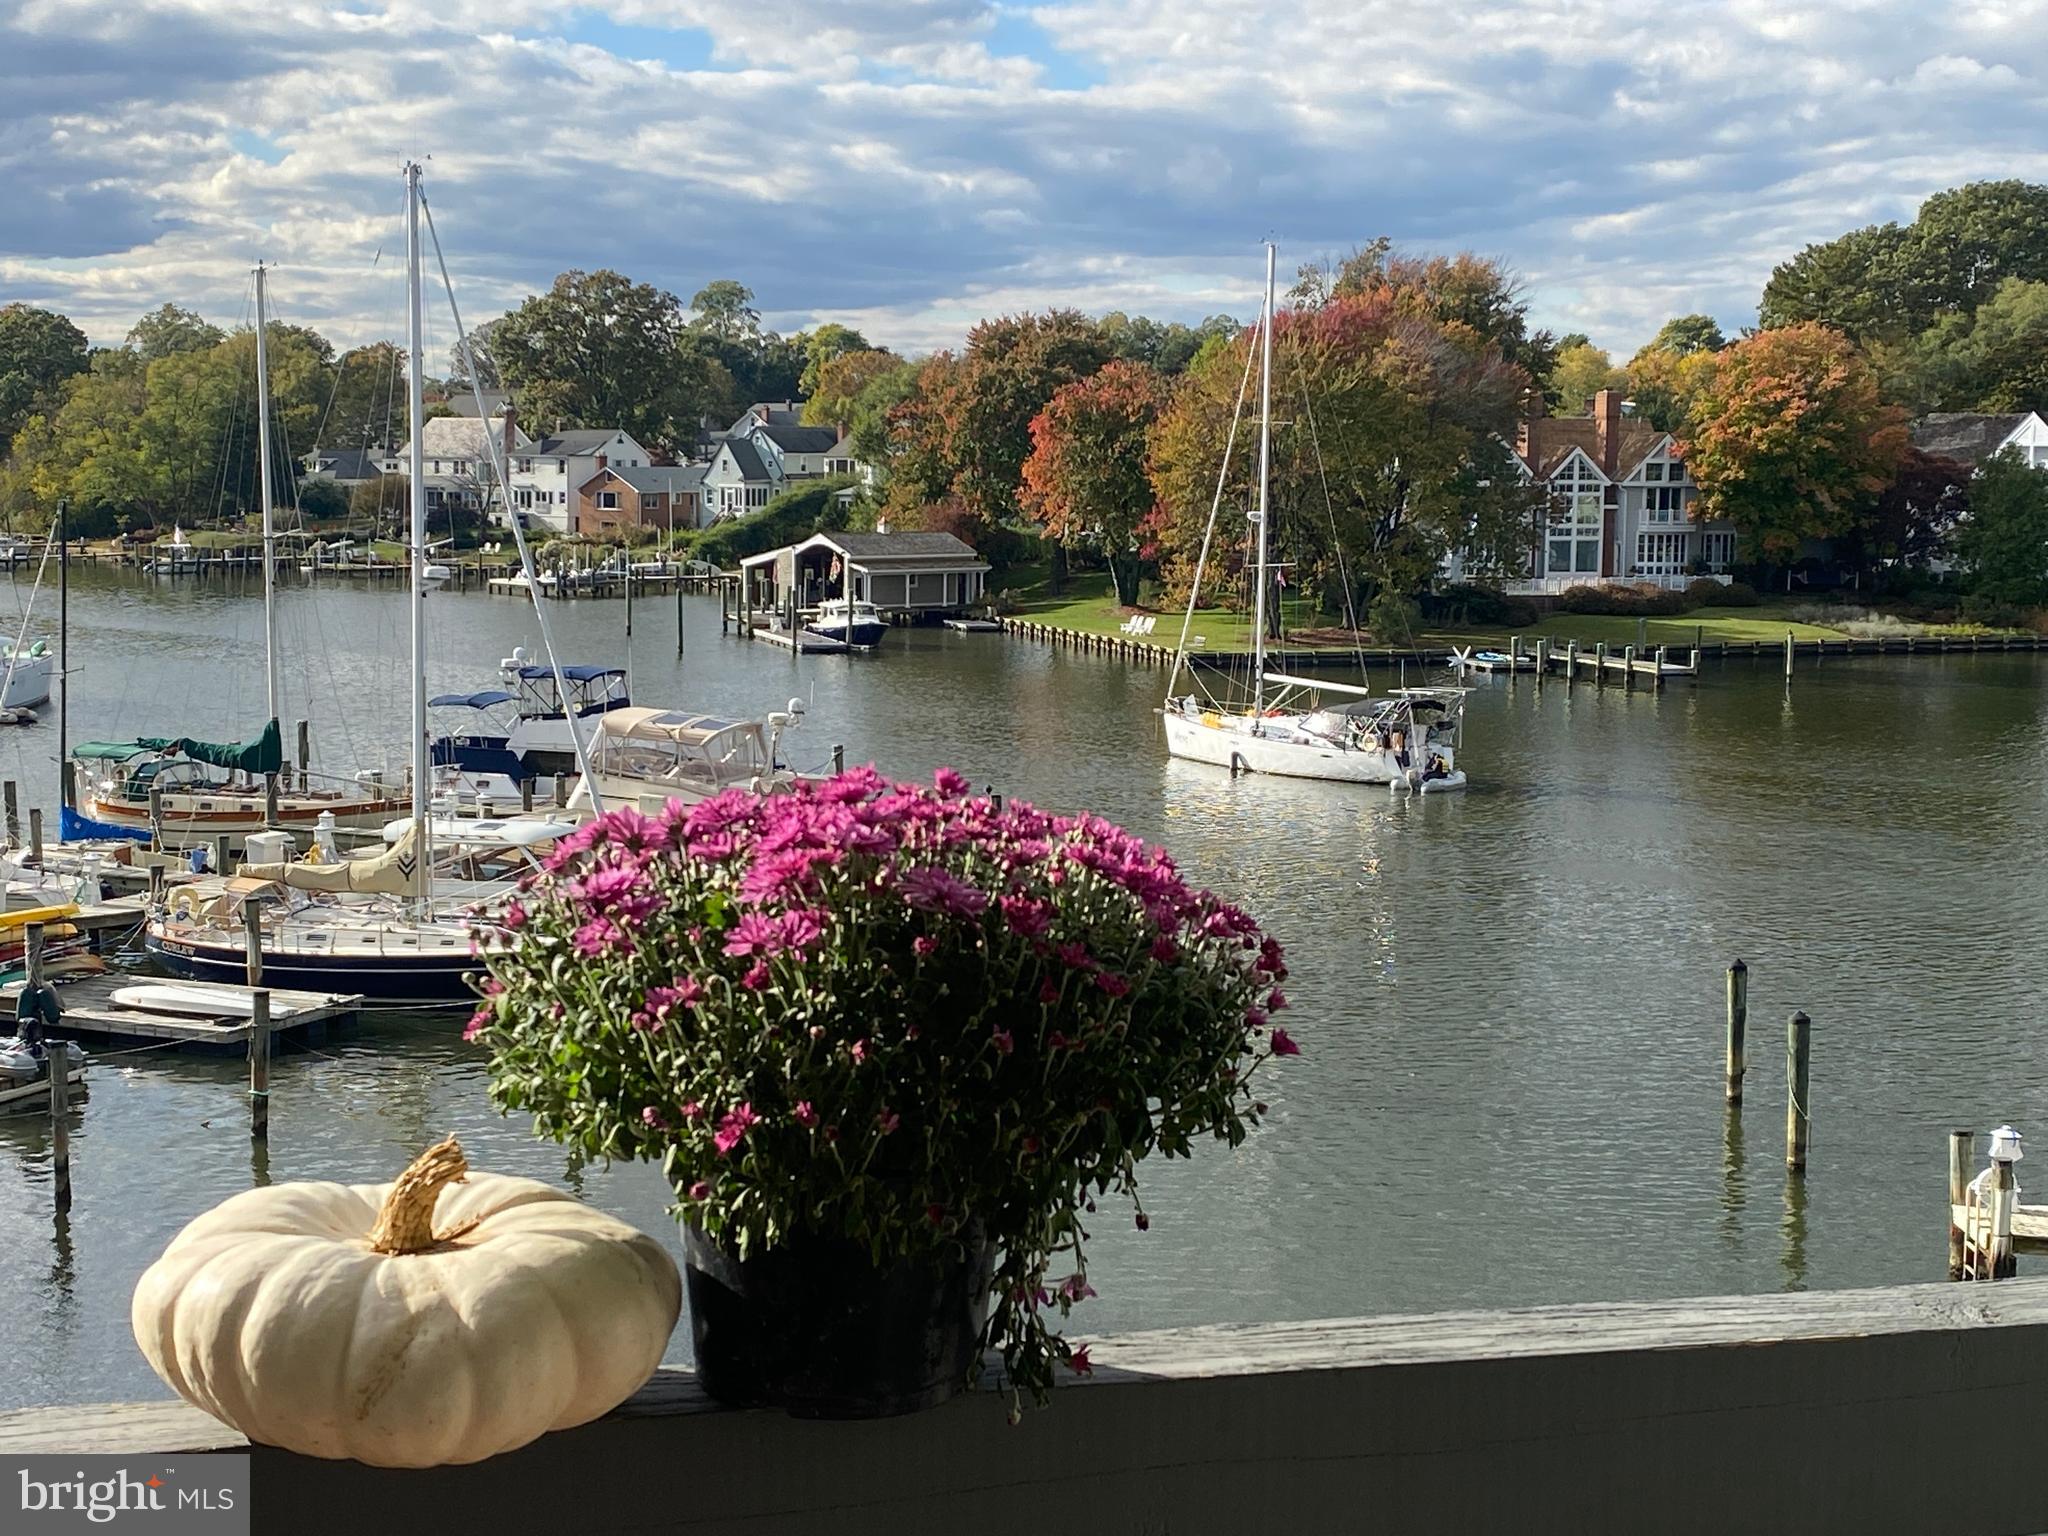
(1621, 505)
(543, 473)
(1974, 436)
(762, 452)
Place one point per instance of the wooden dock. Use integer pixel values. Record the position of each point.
(92, 1009)
(2029, 1225)
(804, 641)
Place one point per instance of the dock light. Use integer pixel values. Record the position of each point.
(2005, 1145)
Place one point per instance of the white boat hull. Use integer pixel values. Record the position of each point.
(29, 682)
(1231, 743)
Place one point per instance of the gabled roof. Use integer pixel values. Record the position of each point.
(673, 478)
(914, 545)
(582, 441)
(1971, 436)
(347, 463)
(843, 449)
(464, 437)
(1551, 439)
(462, 401)
(799, 439)
(775, 413)
(746, 458)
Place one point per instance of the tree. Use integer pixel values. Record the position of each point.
(2003, 543)
(1790, 440)
(821, 346)
(1167, 348)
(725, 309)
(833, 397)
(39, 350)
(965, 431)
(479, 364)
(1855, 284)
(1387, 409)
(600, 350)
(1086, 479)
(1915, 515)
(1581, 372)
(1993, 359)
(1687, 334)
(322, 500)
(369, 408)
(1485, 297)
(170, 328)
(1663, 383)
(381, 504)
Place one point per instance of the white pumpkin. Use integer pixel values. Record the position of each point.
(442, 1318)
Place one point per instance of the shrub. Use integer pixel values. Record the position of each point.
(1623, 602)
(1468, 603)
(1737, 594)
(1993, 614)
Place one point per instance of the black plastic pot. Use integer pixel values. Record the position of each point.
(815, 1328)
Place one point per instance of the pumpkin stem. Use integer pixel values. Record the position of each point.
(406, 1223)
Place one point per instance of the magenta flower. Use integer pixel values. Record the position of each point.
(1113, 984)
(801, 928)
(754, 934)
(951, 783)
(514, 916)
(858, 1051)
(1004, 1044)
(1077, 956)
(931, 889)
(1164, 950)
(1255, 1018)
(599, 937)
(603, 888)
(1076, 1288)
(805, 1116)
(663, 1001)
(701, 1190)
(756, 979)
(1277, 1001)
(1027, 916)
(733, 1127)
(924, 946)
(1079, 1363)
(1283, 1044)
(692, 1112)
(1048, 991)
(478, 1023)
(888, 1120)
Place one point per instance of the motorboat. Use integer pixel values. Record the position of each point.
(26, 668)
(647, 757)
(848, 620)
(522, 731)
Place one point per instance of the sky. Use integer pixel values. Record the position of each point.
(909, 166)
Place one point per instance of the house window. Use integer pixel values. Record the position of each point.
(1718, 550)
(526, 466)
(649, 503)
(1572, 541)
(1660, 554)
(437, 467)
(1664, 503)
(526, 498)
(1654, 470)
(608, 501)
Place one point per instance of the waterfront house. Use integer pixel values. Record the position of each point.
(542, 473)
(1621, 506)
(761, 454)
(1971, 437)
(622, 500)
(916, 573)
(346, 467)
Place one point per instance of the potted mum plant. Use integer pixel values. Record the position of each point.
(890, 1045)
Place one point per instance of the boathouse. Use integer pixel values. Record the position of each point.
(915, 573)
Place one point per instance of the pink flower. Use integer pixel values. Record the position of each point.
(601, 936)
(1113, 984)
(1079, 1363)
(931, 889)
(651, 1118)
(801, 928)
(603, 888)
(701, 1190)
(1076, 1288)
(924, 946)
(1077, 956)
(1048, 991)
(756, 979)
(663, 1001)
(754, 934)
(692, 1112)
(888, 1120)
(514, 916)
(1283, 1045)
(1027, 916)
(1277, 1001)
(733, 1126)
(1164, 950)
(951, 783)
(804, 1114)
(858, 1051)
(1004, 1044)
(478, 1023)
(1255, 1018)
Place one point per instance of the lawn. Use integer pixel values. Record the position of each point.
(1087, 605)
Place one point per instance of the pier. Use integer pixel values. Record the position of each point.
(125, 1006)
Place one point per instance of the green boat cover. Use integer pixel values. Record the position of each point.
(263, 755)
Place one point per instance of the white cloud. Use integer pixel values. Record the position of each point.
(910, 165)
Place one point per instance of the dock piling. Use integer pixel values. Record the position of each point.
(1738, 1027)
(679, 616)
(12, 791)
(305, 757)
(1798, 1106)
(35, 836)
(220, 853)
(526, 795)
(2005, 1151)
(252, 940)
(1628, 668)
(1600, 663)
(57, 1063)
(1961, 1147)
(839, 757)
(259, 1065)
(1788, 655)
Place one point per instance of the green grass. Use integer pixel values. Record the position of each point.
(1734, 625)
(1087, 604)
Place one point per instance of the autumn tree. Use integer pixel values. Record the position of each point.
(1663, 381)
(833, 397)
(821, 346)
(1582, 371)
(2003, 543)
(172, 328)
(1791, 440)
(39, 350)
(1914, 517)
(1086, 481)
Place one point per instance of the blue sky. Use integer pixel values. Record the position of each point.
(907, 166)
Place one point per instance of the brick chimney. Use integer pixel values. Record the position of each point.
(600, 461)
(1607, 429)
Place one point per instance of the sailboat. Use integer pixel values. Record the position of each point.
(179, 789)
(1407, 738)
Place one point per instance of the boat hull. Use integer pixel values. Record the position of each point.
(1228, 745)
(411, 978)
(861, 632)
(202, 818)
(28, 684)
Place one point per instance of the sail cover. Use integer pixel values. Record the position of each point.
(263, 755)
(389, 873)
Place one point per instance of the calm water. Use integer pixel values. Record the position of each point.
(1509, 1001)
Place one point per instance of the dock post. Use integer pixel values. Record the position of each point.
(679, 615)
(2002, 1261)
(1798, 1106)
(32, 957)
(305, 757)
(1628, 667)
(1571, 662)
(1642, 634)
(156, 818)
(561, 791)
(220, 853)
(12, 791)
(58, 1064)
(252, 940)
(1788, 654)
(839, 757)
(259, 1065)
(1660, 666)
(1600, 663)
(270, 800)
(35, 836)
(629, 600)
(526, 794)
(1542, 658)
(1738, 1027)
(1961, 1145)
(1514, 655)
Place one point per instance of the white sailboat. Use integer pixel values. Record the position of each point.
(1407, 739)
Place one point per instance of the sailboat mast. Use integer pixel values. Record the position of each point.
(416, 476)
(1265, 476)
(263, 491)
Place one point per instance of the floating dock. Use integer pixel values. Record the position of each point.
(974, 626)
(37, 1092)
(806, 642)
(92, 1008)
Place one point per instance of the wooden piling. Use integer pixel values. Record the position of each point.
(57, 1063)
(1571, 662)
(305, 757)
(679, 616)
(259, 1065)
(1788, 653)
(252, 940)
(561, 791)
(1738, 1027)
(32, 958)
(1628, 667)
(12, 792)
(270, 801)
(220, 853)
(526, 794)
(1798, 1106)
(839, 757)
(1961, 1147)
(2003, 1260)
(35, 836)
(156, 887)
(629, 602)
(1600, 663)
